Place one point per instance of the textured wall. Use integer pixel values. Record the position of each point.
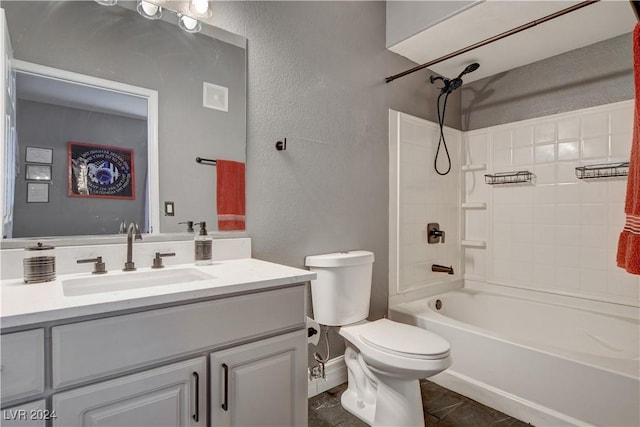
(316, 76)
(593, 75)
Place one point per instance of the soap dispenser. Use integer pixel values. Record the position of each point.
(203, 246)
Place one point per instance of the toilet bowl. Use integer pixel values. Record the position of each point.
(385, 359)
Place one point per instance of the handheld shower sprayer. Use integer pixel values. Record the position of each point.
(449, 86)
(452, 84)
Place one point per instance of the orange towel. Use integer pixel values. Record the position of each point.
(629, 242)
(230, 195)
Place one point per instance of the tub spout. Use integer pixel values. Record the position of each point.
(441, 268)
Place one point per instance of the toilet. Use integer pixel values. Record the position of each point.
(385, 359)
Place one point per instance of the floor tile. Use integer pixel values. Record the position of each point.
(442, 408)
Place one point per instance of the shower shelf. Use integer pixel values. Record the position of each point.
(509, 178)
(480, 244)
(474, 205)
(607, 170)
(470, 168)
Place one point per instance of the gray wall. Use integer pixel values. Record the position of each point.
(598, 74)
(117, 44)
(51, 126)
(406, 18)
(316, 76)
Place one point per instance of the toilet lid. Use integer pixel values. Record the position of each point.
(404, 340)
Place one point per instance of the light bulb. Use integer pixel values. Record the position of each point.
(188, 24)
(200, 6)
(149, 9)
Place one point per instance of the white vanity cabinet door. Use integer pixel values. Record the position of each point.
(172, 395)
(261, 384)
(22, 360)
(33, 414)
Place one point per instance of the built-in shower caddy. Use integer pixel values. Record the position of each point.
(385, 360)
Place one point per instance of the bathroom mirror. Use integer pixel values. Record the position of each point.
(118, 45)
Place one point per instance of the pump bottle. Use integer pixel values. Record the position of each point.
(203, 246)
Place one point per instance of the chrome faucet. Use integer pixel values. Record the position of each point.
(133, 228)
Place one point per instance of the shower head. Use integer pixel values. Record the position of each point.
(453, 84)
(470, 69)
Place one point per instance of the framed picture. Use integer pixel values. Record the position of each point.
(37, 192)
(38, 173)
(101, 171)
(39, 155)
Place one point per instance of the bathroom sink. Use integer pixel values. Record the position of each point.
(95, 284)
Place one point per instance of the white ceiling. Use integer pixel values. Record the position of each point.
(591, 24)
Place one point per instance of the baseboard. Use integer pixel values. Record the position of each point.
(524, 410)
(335, 374)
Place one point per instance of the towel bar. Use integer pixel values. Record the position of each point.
(202, 160)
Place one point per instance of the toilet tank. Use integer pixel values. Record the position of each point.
(342, 290)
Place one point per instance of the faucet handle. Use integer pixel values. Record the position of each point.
(98, 267)
(434, 234)
(157, 261)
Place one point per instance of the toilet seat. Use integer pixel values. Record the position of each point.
(403, 340)
(386, 340)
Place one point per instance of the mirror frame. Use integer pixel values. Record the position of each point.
(150, 95)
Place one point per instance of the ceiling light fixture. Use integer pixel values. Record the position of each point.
(149, 10)
(107, 2)
(189, 24)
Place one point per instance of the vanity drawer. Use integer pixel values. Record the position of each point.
(88, 350)
(22, 358)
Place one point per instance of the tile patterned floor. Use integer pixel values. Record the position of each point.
(442, 408)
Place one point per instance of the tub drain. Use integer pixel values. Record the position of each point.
(438, 304)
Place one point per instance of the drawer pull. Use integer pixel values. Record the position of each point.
(225, 404)
(196, 414)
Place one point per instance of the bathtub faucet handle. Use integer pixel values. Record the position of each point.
(434, 234)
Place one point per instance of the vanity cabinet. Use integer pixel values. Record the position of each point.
(172, 365)
(261, 383)
(32, 414)
(172, 395)
(22, 370)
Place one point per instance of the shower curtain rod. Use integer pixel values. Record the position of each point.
(634, 3)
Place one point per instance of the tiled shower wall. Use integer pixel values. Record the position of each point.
(418, 196)
(559, 233)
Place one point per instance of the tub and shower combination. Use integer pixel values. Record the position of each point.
(547, 362)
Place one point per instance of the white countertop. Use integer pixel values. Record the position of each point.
(24, 304)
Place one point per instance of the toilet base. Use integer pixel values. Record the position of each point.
(366, 412)
(395, 409)
(378, 398)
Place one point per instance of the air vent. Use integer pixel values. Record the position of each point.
(215, 97)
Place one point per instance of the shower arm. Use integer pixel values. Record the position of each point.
(634, 4)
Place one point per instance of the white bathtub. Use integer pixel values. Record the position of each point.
(542, 362)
